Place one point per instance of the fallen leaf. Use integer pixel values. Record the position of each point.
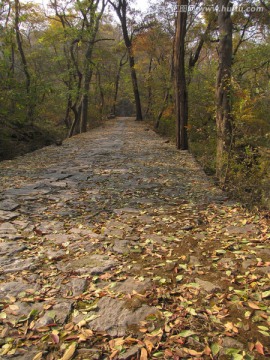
(149, 345)
(259, 348)
(38, 356)
(69, 352)
(144, 355)
(215, 348)
(192, 352)
(253, 305)
(186, 333)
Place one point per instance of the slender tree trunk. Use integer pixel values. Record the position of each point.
(139, 116)
(164, 105)
(75, 127)
(149, 88)
(85, 98)
(223, 90)
(30, 107)
(67, 113)
(101, 93)
(167, 93)
(117, 80)
(181, 95)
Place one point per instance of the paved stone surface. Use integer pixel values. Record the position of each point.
(115, 234)
(116, 317)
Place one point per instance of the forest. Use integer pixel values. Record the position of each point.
(198, 72)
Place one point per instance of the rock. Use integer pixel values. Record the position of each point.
(59, 238)
(76, 286)
(55, 176)
(22, 225)
(115, 318)
(129, 285)
(229, 343)
(130, 353)
(7, 228)
(194, 261)
(145, 219)
(93, 354)
(20, 265)
(126, 211)
(10, 248)
(154, 238)
(45, 320)
(59, 184)
(21, 354)
(55, 255)
(247, 263)
(62, 310)
(30, 190)
(207, 286)
(92, 264)
(86, 232)
(57, 314)
(262, 270)
(226, 263)
(14, 288)
(245, 229)
(8, 205)
(121, 246)
(8, 215)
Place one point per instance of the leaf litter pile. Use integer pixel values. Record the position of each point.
(117, 246)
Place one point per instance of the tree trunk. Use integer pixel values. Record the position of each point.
(181, 95)
(85, 98)
(30, 106)
(149, 88)
(139, 116)
(223, 91)
(121, 11)
(122, 62)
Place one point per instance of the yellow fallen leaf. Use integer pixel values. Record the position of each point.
(144, 355)
(5, 349)
(69, 352)
(38, 356)
(149, 345)
(192, 352)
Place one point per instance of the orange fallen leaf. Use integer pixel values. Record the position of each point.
(259, 348)
(149, 345)
(207, 350)
(144, 355)
(253, 306)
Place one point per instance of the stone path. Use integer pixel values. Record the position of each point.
(117, 246)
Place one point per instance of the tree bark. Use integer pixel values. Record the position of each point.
(223, 91)
(149, 88)
(121, 11)
(30, 107)
(122, 62)
(133, 73)
(92, 28)
(181, 95)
